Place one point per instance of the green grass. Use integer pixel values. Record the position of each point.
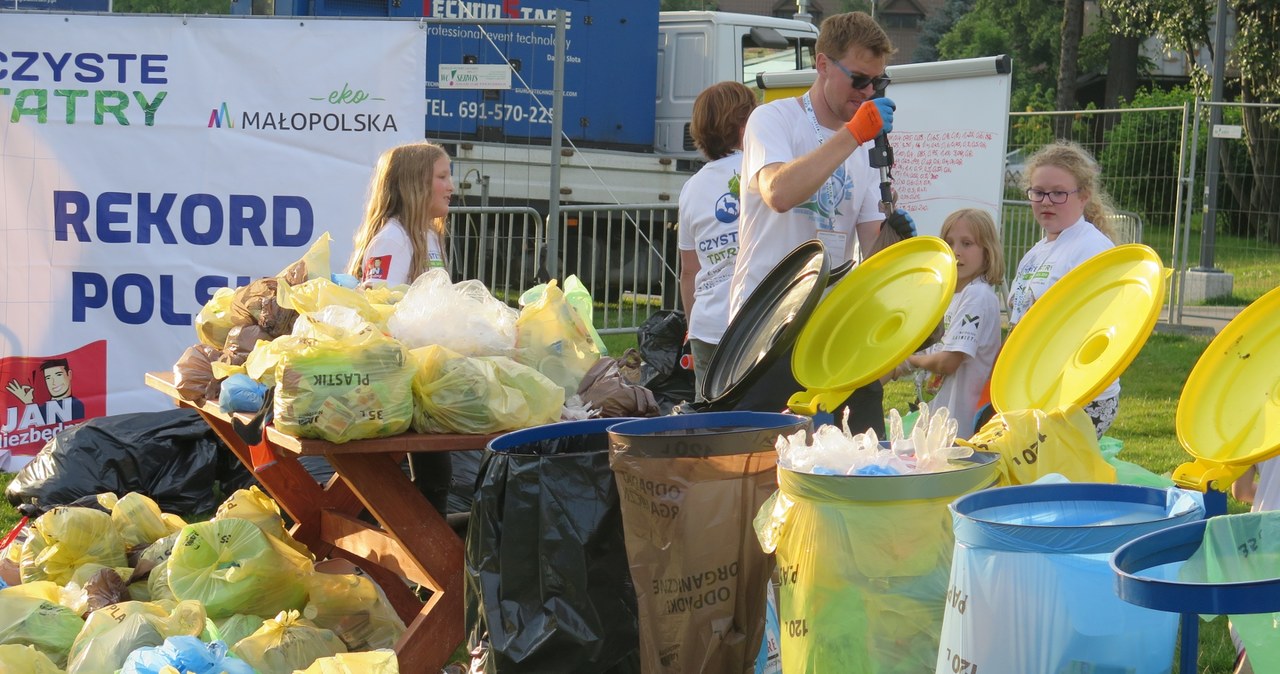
(1253, 265)
(8, 516)
(1152, 386)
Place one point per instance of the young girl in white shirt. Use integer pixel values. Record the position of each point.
(401, 237)
(956, 369)
(1065, 191)
(402, 234)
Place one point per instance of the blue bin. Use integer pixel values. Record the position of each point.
(1170, 571)
(548, 588)
(1031, 588)
(690, 486)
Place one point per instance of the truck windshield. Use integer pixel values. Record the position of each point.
(797, 55)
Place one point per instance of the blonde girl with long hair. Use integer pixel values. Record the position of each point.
(403, 231)
(953, 372)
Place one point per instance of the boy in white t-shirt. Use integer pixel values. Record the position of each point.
(956, 369)
(709, 217)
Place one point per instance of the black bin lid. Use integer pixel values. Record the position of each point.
(767, 325)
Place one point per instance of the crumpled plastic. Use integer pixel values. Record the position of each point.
(464, 317)
(187, 655)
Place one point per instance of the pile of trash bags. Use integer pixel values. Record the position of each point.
(117, 585)
(349, 361)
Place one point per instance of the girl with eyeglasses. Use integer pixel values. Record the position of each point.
(1067, 199)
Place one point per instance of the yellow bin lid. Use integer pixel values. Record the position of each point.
(1082, 333)
(1229, 412)
(879, 314)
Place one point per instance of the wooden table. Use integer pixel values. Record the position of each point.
(413, 543)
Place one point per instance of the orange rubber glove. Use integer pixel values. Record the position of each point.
(872, 117)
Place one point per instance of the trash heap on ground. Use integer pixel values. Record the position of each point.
(115, 585)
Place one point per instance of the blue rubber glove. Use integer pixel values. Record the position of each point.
(872, 118)
(902, 223)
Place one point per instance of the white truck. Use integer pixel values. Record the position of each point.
(631, 76)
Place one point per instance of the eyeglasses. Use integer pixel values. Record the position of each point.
(878, 84)
(1055, 197)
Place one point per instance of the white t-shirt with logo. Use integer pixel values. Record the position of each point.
(779, 132)
(391, 252)
(709, 226)
(971, 326)
(1048, 261)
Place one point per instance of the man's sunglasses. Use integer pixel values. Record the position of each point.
(878, 84)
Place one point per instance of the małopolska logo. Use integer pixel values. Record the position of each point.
(280, 120)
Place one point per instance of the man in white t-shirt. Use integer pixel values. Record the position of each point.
(806, 174)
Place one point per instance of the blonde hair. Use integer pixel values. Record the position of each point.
(401, 189)
(1077, 161)
(839, 32)
(984, 230)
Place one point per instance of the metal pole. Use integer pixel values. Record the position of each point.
(1209, 225)
(1185, 184)
(1186, 222)
(557, 129)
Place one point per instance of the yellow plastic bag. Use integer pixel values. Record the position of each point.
(863, 582)
(553, 339)
(71, 596)
(64, 539)
(111, 633)
(140, 522)
(368, 662)
(319, 293)
(232, 629)
(354, 608)
(232, 567)
(457, 394)
(1032, 444)
(215, 319)
(287, 643)
(253, 505)
(16, 659)
(354, 387)
(313, 264)
(31, 621)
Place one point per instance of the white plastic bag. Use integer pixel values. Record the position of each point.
(464, 318)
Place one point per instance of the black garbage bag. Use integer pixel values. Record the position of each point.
(663, 348)
(548, 586)
(173, 457)
(462, 483)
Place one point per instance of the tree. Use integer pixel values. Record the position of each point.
(990, 30)
(680, 5)
(1185, 24)
(172, 6)
(1068, 62)
(937, 26)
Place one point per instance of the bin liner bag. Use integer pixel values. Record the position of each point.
(172, 456)
(1243, 548)
(663, 346)
(1032, 589)
(690, 486)
(862, 582)
(546, 566)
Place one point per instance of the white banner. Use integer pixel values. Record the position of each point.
(148, 161)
